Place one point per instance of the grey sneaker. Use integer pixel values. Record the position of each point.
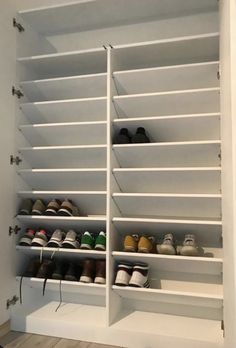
(40, 239)
(71, 240)
(38, 207)
(168, 245)
(68, 209)
(189, 247)
(56, 239)
(26, 207)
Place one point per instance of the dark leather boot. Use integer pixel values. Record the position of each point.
(100, 277)
(87, 275)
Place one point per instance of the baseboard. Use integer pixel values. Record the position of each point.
(5, 328)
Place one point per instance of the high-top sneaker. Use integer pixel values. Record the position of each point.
(38, 207)
(27, 238)
(123, 137)
(87, 241)
(56, 239)
(131, 243)
(189, 247)
(100, 242)
(140, 136)
(87, 275)
(123, 275)
(26, 207)
(146, 244)
(67, 208)
(100, 276)
(71, 240)
(168, 245)
(40, 239)
(139, 278)
(53, 207)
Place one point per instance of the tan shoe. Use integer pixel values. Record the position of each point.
(131, 243)
(146, 245)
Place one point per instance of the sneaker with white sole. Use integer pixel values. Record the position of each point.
(189, 247)
(100, 242)
(88, 272)
(26, 239)
(57, 238)
(167, 246)
(139, 278)
(71, 240)
(53, 207)
(67, 208)
(40, 239)
(123, 275)
(38, 207)
(87, 241)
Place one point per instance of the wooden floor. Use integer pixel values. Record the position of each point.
(23, 340)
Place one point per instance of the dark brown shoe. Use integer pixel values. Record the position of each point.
(100, 277)
(46, 269)
(32, 268)
(87, 275)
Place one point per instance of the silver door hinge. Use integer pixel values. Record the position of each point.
(12, 301)
(18, 25)
(17, 160)
(14, 230)
(17, 92)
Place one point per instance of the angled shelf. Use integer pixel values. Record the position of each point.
(158, 79)
(84, 86)
(169, 154)
(76, 110)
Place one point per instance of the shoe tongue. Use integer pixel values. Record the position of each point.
(42, 232)
(30, 231)
(102, 234)
(87, 233)
(168, 236)
(189, 237)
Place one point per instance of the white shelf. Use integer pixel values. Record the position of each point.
(169, 180)
(207, 231)
(93, 224)
(84, 86)
(174, 128)
(71, 253)
(179, 205)
(180, 297)
(84, 156)
(91, 61)
(87, 109)
(166, 52)
(174, 263)
(65, 178)
(202, 100)
(167, 78)
(50, 19)
(169, 154)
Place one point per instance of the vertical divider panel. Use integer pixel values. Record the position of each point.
(113, 301)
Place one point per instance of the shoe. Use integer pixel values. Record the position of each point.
(56, 239)
(67, 208)
(146, 244)
(87, 241)
(38, 207)
(139, 278)
(123, 137)
(26, 207)
(131, 243)
(87, 275)
(168, 245)
(72, 273)
(71, 240)
(123, 275)
(100, 242)
(40, 239)
(140, 136)
(100, 276)
(59, 270)
(27, 238)
(53, 207)
(189, 247)
(46, 269)
(32, 268)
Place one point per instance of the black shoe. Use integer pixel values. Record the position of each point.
(60, 270)
(123, 137)
(73, 272)
(140, 136)
(32, 268)
(46, 269)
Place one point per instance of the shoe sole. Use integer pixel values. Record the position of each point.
(129, 249)
(136, 285)
(86, 247)
(144, 250)
(189, 251)
(100, 247)
(57, 276)
(64, 212)
(70, 278)
(54, 244)
(166, 249)
(100, 280)
(69, 245)
(25, 242)
(39, 242)
(50, 212)
(86, 279)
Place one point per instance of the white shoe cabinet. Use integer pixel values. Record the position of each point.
(86, 69)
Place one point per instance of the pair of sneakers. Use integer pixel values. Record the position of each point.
(34, 238)
(132, 275)
(54, 207)
(143, 244)
(124, 137)
(90, 242)
(188, 248)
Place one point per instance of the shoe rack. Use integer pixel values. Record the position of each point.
(82, 81)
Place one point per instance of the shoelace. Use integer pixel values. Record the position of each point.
(21, 279)
(60, 297)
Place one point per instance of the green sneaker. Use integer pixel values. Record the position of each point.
(100, 243)
(87, 241)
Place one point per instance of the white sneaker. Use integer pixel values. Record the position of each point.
(189, 247)
(71, 240)
(139, 277)
(123, 275)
